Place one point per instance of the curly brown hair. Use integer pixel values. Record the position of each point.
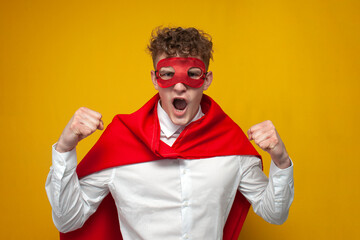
(182, 41)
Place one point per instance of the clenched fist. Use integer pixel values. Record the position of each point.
(84, 122)
(266, 137)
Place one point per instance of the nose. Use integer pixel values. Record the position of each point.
(180, 87)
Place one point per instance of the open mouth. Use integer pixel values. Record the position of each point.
(179, 104)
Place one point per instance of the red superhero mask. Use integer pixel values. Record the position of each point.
(189, 71)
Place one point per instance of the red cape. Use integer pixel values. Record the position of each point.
(135, 138)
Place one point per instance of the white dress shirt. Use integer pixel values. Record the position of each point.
(169, 199)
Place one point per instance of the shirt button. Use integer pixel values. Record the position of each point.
(186, 236)
(186, 204)
(184, 171)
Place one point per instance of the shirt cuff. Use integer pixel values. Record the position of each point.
(65, 161)
(274, 170)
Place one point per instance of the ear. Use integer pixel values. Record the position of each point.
(208, 80)
(153, 79)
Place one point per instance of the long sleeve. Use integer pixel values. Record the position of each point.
(73, 200)
(270, 198)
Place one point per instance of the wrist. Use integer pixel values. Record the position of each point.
(282, 162)
(62, 148)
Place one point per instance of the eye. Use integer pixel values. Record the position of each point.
(195, 73)
(166, 73)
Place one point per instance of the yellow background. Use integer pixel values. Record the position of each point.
(294, 62)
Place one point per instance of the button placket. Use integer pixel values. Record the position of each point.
(186, 189)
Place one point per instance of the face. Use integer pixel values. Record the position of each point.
(180, 101)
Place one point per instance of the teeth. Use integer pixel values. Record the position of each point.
(179, 104)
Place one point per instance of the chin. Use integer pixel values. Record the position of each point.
(181, 122)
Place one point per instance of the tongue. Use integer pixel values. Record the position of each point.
(180, 104)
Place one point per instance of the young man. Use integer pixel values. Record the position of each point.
(178, 168)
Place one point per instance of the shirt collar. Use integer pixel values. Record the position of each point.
(167, 126)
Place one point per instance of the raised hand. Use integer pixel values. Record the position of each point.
(266, 137)
(84, 122)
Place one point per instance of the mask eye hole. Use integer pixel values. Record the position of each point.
(195, 73)
(166, 73)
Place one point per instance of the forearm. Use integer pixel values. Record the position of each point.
(72, 201)
(67, 205)
(274, 204)
(270, 198)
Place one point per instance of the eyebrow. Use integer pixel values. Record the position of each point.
(167, 69)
